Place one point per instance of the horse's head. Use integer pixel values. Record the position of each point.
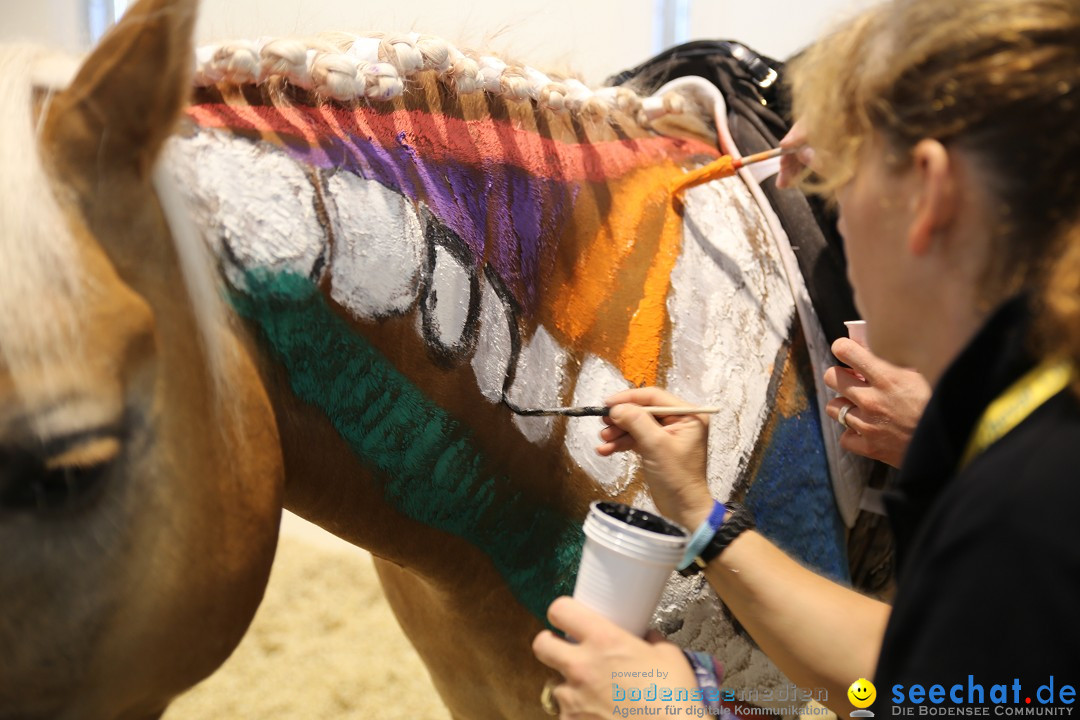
(136, 538)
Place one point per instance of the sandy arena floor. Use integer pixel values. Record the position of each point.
(323, 646)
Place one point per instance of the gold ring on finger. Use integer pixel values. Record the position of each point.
(547, 698)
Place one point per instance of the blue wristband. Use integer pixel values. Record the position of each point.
(709, 674)
(704, 533)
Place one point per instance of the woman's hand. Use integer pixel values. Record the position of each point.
(885, 402)
(791, 166)
(672, 450)
(603, 654)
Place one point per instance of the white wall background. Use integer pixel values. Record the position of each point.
(61, 23)
(593, 37)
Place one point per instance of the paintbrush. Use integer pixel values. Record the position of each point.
(604, 411)
(722, 167)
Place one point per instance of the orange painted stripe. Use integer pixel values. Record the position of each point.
(577, 299)
(640, 356)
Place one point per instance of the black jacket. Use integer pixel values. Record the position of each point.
(988, 555)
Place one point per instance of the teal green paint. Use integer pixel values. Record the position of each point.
(429, 467)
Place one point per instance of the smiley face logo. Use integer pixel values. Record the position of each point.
(862, 693)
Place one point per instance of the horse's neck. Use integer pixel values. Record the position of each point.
(435, 189)
(410, 265)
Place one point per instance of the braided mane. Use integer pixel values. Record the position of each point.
(469, 136)
(380, 67)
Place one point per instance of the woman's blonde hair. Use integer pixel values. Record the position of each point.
(998, 79)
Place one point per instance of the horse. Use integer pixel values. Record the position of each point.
(140, 471)
(414, 247)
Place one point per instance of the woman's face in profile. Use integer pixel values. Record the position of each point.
(875, 216)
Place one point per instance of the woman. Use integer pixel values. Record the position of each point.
(949, 135)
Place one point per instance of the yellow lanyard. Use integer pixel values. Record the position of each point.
(1023, 397)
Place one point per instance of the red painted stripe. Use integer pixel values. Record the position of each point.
(470, 142)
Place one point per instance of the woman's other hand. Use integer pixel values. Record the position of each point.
(791, 166)
(602, 654)
(884, 402)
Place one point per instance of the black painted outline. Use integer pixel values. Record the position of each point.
(513, 311)
(437, 235)
(325, 212)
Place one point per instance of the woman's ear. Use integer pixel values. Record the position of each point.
(935, 198)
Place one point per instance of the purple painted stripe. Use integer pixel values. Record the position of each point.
(506, 216)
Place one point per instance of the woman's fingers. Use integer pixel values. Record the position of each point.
(795, 137)
(646, 430)
(612, 432)
(577, 620)
(623, 444)
(654, 636)
(850, 385)
(859, 359)
(858, 444)
(792, 165)
(553, 651)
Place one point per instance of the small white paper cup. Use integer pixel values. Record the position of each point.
(627, 559)
(856, 330)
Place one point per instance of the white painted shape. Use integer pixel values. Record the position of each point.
(252, 195)
(378, 248)
(730, 310)
(491, 360)
(538, 382)
(597, 380)
(450, 287)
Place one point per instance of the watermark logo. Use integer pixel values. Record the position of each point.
(862, 694)
(973, 698)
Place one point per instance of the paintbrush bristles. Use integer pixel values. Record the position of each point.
(722, 167)
(585, 411)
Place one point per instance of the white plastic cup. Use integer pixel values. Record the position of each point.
(627, 559)
(856, 330)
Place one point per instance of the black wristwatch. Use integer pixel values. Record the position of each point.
(738, 520)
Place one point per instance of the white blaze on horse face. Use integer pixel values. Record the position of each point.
(730, 310)
(378, 245)
(597, 380)
(258, 204)
(539, 382)
(493, 349)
